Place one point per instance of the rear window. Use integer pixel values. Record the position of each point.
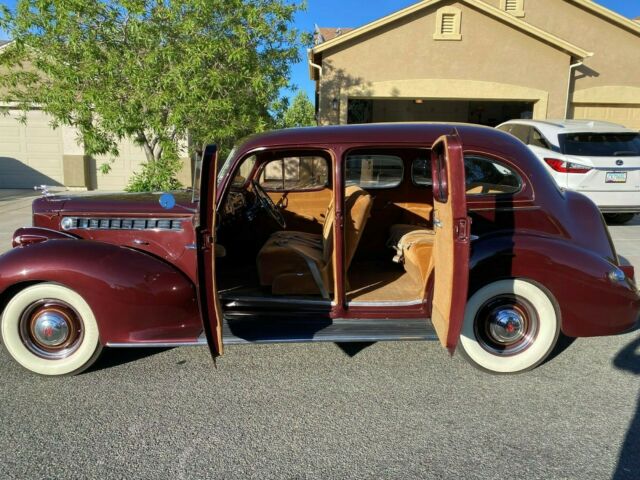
(295, 174)
(374, 171)
(601, 144)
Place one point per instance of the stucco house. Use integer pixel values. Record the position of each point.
(481, 61)
(32, 153)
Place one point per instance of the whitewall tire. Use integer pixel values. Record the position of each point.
(510, 326)
(51, 330)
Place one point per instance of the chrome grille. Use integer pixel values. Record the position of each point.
(88, 223)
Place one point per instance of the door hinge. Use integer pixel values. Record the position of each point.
(463, 229)
(207, 239)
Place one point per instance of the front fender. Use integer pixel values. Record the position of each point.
(135, 297)
(590, 303)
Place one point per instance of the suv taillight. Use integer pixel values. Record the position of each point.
(566, 167)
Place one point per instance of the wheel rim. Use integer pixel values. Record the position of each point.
(51, 329)
(506, 325)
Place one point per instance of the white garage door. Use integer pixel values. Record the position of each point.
(30, 154)
(627, 115)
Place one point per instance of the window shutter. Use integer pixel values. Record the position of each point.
(448, 24)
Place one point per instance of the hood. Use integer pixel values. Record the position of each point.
(120, 204)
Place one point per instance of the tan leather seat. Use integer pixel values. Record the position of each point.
(414, 250)
(297, 263)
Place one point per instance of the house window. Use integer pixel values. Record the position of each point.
(448, 20)
(514, 7)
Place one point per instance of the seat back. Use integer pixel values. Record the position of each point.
(358, 205)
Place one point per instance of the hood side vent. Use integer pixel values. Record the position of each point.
(87, 223)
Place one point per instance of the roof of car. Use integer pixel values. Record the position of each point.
(552, 128)
(374, 133)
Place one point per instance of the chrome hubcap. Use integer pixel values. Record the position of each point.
(51, 329)
(506, 325)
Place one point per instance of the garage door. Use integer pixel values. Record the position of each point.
(30, 154)
(627, 115)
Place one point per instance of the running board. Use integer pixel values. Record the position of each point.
(240, 330)
(249, 329)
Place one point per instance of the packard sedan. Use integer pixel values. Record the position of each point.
(360, 233)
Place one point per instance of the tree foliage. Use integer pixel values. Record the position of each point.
(301, 112)
(153, 71)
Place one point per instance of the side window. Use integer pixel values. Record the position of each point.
(484, 176)
(244, 171)
(521, 132)
(537, 140)
(421, 174)
(373, 171)
(295, 173)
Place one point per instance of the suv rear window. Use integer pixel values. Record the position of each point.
(601, 144)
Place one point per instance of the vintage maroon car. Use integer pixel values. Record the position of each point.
(352, 233)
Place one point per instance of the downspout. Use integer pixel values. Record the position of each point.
(572, 67)
(313, 65)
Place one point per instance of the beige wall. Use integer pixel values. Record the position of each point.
(491, 55)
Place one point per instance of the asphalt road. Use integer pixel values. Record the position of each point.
(390, 410)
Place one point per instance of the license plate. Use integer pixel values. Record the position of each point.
(616, 177)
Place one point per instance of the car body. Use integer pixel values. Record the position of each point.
(598, 159)
(346, 233)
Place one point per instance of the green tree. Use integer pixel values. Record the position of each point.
(154, 71)
(301, 112)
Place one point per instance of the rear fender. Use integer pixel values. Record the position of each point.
(134, 296)
(590, 303)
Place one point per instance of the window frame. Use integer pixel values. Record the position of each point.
(266, 157)
(372, 151)
(523, 180)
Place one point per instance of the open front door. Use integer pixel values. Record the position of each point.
(210, 310)
(452, 232)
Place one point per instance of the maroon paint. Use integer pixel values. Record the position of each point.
(134, 296)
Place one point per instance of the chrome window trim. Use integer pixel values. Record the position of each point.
(74, 226)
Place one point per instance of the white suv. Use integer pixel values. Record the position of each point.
(598, 159)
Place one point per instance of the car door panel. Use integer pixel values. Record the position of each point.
(452, 242)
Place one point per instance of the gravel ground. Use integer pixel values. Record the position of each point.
(389, 410)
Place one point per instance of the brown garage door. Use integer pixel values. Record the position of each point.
(627, 115)
(30, 154)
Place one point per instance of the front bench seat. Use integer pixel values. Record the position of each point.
(296, 263)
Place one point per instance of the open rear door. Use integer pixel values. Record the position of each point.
(210, 310)
(452, 232)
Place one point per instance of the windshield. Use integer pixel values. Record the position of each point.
(601, 144)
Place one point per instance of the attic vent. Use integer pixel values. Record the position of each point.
(448, 20)
(448, 24)
(514, 7)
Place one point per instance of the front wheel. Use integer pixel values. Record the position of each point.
(51, 330)
(510, 326)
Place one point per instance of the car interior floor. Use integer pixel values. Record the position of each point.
(381, 281)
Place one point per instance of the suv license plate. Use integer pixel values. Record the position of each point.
(616, 177)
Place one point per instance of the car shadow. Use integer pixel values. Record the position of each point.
(353, 348)
(628, 360)
(114, 357)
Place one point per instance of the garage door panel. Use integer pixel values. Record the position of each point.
(30, 154)
(627, 115)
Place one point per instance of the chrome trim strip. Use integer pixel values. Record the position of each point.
(232, 301)
(171, 220)
(408, 303)
(155, 344)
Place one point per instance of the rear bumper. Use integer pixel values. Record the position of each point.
(615, 202)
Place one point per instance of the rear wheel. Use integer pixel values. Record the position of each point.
(510, 326)
(51, 330)
(618, 218)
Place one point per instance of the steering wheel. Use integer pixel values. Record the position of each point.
(265, 202)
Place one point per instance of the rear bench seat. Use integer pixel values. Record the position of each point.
(413, 245)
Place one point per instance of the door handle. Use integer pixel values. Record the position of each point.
(436, 221)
